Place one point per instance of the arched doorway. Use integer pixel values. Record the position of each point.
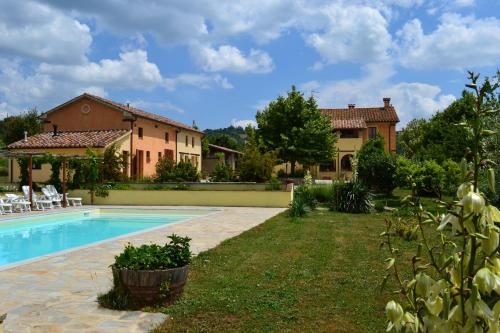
(345, 163)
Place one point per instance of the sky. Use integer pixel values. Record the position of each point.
(218, 62)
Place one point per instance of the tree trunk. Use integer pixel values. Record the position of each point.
(292, 168)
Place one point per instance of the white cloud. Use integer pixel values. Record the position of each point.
(465, 3)
(230, 59)
(458, 42)
(353, 33)
(131, 71)
(411, 99)
(37, 31)
(8, 110)
(243, 123)
(203, 81)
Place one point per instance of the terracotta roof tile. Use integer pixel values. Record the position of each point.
(132, 110)
(356, 116)
(348, 123)
(71, 139)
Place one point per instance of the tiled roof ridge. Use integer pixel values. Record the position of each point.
(71, 139)
(142, 113)
(83, 131)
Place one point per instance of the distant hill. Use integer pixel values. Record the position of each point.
(236, 133)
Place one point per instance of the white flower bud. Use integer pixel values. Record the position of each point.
(485, 280)
(473, 203)
(489, 245)
(394, 312)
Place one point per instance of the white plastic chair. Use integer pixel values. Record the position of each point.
(74, 200)
(41, 203)
(56, 201)
(18, 202)
(5, 207)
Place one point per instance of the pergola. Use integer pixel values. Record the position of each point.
(30, 155)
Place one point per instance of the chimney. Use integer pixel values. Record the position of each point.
(25, 136)
(351, 106)
(387, 102)
(55, 130)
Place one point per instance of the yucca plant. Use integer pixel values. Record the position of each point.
(455, 281)
(352, 197)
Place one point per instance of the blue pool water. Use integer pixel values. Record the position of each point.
(27, 238)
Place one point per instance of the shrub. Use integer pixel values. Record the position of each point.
(429, 179)
(452, 176)
(351, 197)
(322, 193)
(185, 171)
(375, 167)
(298, 207)
(281, 173)
(274, 184)
(111, 166)
(164, 170)
(306, 195)
(222, 173)
(256, 166)
(175, 253)
(168, 171)
(405, 172)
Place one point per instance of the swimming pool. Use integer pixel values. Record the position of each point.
(36, 236)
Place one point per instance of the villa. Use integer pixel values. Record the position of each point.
(355, 125)
(92, 121)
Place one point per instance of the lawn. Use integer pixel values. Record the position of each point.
(321, 273)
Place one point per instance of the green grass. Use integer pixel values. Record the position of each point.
(321, 273)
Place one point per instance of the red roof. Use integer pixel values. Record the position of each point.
(130, 109)
(353, 117)
(71, 139)
(349, 123)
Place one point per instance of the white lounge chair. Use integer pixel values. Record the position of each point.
(41, 203)
(70, 201)
(18, 202)
(5, 207)
(56, 201)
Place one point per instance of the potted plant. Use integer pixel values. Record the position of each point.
(149, 274)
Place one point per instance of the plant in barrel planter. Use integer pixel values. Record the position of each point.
(149, 275)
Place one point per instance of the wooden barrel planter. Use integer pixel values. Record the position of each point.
(152, 287)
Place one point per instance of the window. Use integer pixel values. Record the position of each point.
(372, 132)
(327, 167)
(148, 157)
(348, 133)
(140, 132)
(192, 142)
(169, 154)
(166, 137)
(159, 155)
(187, 141)
(345, 163)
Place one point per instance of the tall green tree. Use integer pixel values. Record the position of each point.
(296, 129)
(434, 138)
(12, 128)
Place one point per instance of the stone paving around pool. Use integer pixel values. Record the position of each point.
(58, 294)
